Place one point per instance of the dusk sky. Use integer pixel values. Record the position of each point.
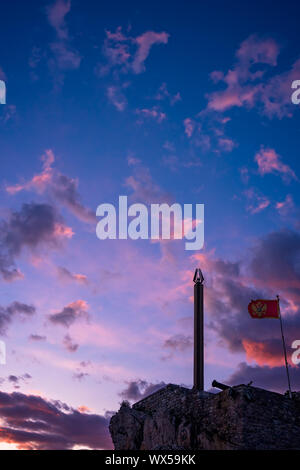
(163, 102)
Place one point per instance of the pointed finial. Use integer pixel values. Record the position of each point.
(198, 276)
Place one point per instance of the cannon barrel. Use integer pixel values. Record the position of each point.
(219, 385)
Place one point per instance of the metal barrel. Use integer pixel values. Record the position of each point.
(219, 385)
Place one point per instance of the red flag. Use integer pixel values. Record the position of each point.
(264, 308)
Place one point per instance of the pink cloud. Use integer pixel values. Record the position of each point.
(152, 113)
(67, 275)
(129, 53)
(276, 93)
(258, 51)
(257, 203)
(284, 207)
(189, 127)
(262, 353)
(207, 131)
(237, 96)
(59, 186)
(145, 42)
(249, 88)
(226, 144)
(62, 56)
(56, 16)
(163, 93)
(268, 161)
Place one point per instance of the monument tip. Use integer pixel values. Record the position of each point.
(198, 276)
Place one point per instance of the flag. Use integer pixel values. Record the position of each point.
(264, 308)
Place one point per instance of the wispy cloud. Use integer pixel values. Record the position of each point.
(61, 187)
(269, 161)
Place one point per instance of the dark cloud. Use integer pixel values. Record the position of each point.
(270, 378)
(34, 337)
(33, 226)
(136, 390)
(32, 422)
(178, 343)
(72, 312)
(80, 375)
(273, 267)
(276, 261)
(69, 344)
(15, 309)
(65, 190)
(17, 380)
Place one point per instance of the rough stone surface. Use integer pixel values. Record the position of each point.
(242, 417)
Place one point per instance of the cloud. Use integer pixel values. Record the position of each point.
(271, 267)
(207, 131)
(285, 206)
(34, 226)
(69, 344)
(60, 55)
(139, 389)
(257, 202)
(67, 275)
(59, 186)
(16, 381)
(80, 375)
(178, 343)
(264, 377)
(56, 16)
(35, 337)
(15, 309)
(145, 42)
(116, 97)
(32, 422)
(268, 161)
(152, 113)
(276, 93)
(127, 53)
(144, 189)
(247, 85)
(189, 127)
(240, 89)
(70, 313)
(164, 94)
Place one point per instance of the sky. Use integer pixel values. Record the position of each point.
(162, 102)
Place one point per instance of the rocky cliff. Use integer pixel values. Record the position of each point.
(241, 417)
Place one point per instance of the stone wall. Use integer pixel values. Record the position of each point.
(241, 417)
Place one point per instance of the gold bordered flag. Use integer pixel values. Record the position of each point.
(264, 308)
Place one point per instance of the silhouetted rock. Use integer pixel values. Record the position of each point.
(241, 417)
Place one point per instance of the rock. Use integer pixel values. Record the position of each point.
(177, 418)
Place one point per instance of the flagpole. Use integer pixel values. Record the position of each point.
(284, 350)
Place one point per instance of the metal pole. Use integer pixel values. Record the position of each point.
(284, 350)
(198, 331)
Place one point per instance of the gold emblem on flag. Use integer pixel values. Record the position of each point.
(259, 309)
